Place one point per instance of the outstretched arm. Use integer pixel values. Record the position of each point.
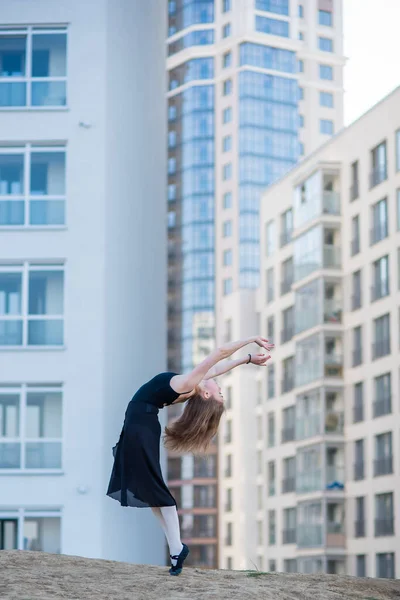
(227, 365)
(187, 382)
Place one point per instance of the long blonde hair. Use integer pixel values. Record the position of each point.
(196, 427)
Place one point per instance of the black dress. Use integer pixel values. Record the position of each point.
(136, 478)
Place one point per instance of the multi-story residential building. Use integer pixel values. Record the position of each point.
(82, 224)
(314, 470)
(253, 85)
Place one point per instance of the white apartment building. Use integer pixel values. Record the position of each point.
(310, 467)
(82, 225)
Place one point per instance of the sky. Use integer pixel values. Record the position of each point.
(372, 49)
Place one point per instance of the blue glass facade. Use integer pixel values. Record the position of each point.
(203, 37)
(267, 57)
(272, 26)
(280, 7)
(183, 13)
(268, 147)
(195, 184)
(197, 68)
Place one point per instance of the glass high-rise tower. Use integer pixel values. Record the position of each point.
(253, 85)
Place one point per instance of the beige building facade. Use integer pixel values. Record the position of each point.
(310, 459)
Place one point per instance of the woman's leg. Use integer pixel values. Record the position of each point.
(157, 513)
(170, 517)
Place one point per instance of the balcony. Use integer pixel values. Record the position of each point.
(309, 535)
(287, 334)
(377, 175)
(332, 258)
(383, 466)
(286, 237)
(309, 481)
(332, 311)
(287, 384)
(384, 527)
(289, 536)
(288, 434)
(383, 406)
(359, 528)
(359, 470)
(333, 364)
(357, 357)
(381, 348)
(335, 534)
(334, 422)
(288, 485)
(378, 232)
(334, 475)
(331, 203)
(356, 301)
(354, 190)
(355, 246)
(358, 413)
(286, 285)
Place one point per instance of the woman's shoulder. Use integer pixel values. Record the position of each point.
(157, 390)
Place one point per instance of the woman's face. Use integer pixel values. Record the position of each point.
(211, 389)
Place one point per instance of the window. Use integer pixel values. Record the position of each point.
(37, 79)
(171, 7)
(271, 478)
(381, 346)
(286, 227)
(226, 5)
(280, 7)
(290, 565)
(301, 120)
(383, 395)
(171, 192)
(325, 18)
(227, 143)
(270, 285)
(171, 219)
(226, 30)
(287, 275)
(301, 11)
(380, 278)
(271, 381)
(286, 335)
(260, 537)
(172, 113)
(271, 528)
(31, 305)
(229, 534)
(23, 529)
(227, 228)
(358, 410)
(384, 514)
(227, 60)
(171, 166)
(271, 430)
(289, 526)
(359, 460)
(227, 172)
(227, 258)
(326, 99)
(271, 328)
(227, 87)
(380, 221)
(289, 475)
(383, 464)
(326, 72)
(398, 208)
(227, 115)
(359, 529)
(301, 36)
(354, 181)
(357, 296)
(272, 26)
(301, 93)
(30, 428)
(228, 286)
(385, 565)
(37, 201)
(171, 139)
(289, 422)
(357, 346)
(325, 44)
(379, 165)
(270, 238)
(355, 242)
(326, 126)
(300, 66)
(361, 570)
(227, 203)
(301, 149)
(398, 150)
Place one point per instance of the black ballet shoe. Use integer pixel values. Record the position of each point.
(177, 569)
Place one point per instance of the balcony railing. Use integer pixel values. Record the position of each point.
(355, 246)
(289, 536)
(309, 535)
(357, 357)
(287, 384)
(383, 406)
(288, 434)
(335, 527)
(378, 232)
(380, 290)
(331, 203)
(334, 474)
(309, 481)
(354, 190)
(332, 258)
(287, 334)
(334, 422)
(377, 175)
(359, 470)
(356, 301)
(383, 466)
(288, 485)
(286, 237)
(358, 413)
(333, 359)
(359, 528)
(384, 526)
(332, 311)
(381, 348)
